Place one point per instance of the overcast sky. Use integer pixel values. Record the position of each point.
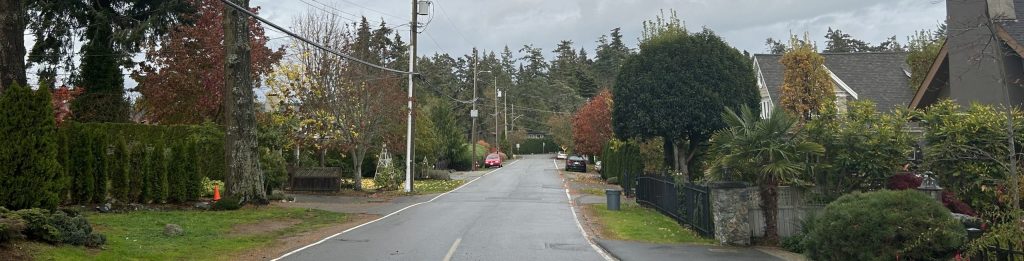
(455, 26)
(458, 25)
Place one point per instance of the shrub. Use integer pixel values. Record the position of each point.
(793, 243)
(208, 185)
(38, 226)
(883, 225)
(11, 225)
(227, 203)
(389, 176)
(117, 168)
(136, 172)
(30, 174)
(275, 173)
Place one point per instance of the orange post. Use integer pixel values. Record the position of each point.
(216, 193)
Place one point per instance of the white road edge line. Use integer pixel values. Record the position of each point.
(572, 208)
(386, 216)
(451, 251)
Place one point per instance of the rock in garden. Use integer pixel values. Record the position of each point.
(173, 230)
(202, 205)
(105, 208)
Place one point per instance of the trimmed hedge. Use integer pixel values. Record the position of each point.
(30, 171)
(619, 158)
(140, 163)
(537, 146)
(884, 225)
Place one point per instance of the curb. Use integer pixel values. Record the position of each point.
(600, 244)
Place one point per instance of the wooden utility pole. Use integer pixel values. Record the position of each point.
(243, 176)
(410, 131)
(13, 19)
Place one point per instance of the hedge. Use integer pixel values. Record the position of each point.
(30, 170)
(537, 146)
(140, 163)
(619, 158)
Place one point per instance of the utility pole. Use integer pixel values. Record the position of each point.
(497, 94)
(409, 127)
(473, 113)
(505, 113)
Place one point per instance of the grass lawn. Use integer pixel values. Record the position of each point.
(428, 186)
(636, 223)
(593, 191)
(209, 235)
(433, 186)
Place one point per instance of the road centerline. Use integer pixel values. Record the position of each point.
(451, 251)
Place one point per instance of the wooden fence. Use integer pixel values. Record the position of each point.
(793, 210)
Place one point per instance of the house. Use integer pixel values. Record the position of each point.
(980, 62)
(535, 135)
(881, 77)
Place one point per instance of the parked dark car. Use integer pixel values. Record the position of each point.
(576, 163)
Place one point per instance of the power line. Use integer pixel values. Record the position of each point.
(317, 45)
(456, 28)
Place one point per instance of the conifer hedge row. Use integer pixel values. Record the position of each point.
(139, 163)
(619, 158)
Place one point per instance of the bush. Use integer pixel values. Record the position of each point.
(389, 177)
(208, 185)
(38, 226)
(883, 225)
(275, 173)
(11, 225)
(30, 173)
(793, 243)
(58, 227)
(227, 203)
(129, 163)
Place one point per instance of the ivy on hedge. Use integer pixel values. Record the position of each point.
(140, 163)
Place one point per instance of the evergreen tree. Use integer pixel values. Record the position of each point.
(839, 42)
(30, 174)
(608, 58)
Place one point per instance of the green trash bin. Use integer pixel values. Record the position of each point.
(613, 196)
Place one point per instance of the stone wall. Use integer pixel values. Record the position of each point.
(731, 212)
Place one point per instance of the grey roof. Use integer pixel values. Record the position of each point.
(1016, 28)
(879, 77)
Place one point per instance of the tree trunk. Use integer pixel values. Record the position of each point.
(244, 177)
(770, 210)
(682, 157)
(357, 166)
(13, 19)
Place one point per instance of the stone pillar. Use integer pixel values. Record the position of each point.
(730, 209)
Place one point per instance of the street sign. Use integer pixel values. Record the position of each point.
(517, 146)
(473, 113)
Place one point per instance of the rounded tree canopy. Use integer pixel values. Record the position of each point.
(679, 84)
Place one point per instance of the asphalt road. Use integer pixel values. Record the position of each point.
(519, 212)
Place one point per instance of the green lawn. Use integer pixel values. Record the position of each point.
(139, 235)
(593, 191)
(636, 223)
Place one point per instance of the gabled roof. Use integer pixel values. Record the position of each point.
(1013, 31)
(880, 77)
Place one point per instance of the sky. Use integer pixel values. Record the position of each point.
(456, 26)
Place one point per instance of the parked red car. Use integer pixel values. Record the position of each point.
(493, 160)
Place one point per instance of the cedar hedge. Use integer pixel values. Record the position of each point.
(140, 163)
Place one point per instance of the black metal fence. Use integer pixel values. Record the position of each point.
(691, 207)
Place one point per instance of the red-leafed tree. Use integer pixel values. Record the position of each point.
(181, 82)
(592, 124)
(61, 101)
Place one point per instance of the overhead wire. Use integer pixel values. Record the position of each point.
(317, 45)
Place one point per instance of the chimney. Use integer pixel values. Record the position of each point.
(975, 52)
(1001, 10)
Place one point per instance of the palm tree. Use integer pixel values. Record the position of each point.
(767, 152)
